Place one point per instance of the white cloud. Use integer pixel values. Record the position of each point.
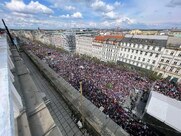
(99, 5)
(31, 8)
(110, 15)
(124, 20)
(117, 4)
(22, 14)
(69, 8)
(76, 15)
(65, 16)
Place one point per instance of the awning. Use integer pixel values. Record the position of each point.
(164, 109)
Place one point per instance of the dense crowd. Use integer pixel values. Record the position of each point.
(105, 86)
(168, 88)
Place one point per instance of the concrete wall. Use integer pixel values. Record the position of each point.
(94, 118)
(40, 120)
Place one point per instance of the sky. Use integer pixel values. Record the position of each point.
(58, 14)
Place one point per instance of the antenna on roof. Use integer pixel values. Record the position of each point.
(10, 37)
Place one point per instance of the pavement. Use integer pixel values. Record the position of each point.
(57, 107)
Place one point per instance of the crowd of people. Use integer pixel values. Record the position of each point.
(168, 88)
(105, 86)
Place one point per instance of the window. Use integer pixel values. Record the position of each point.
(156, 55)
(148, 60)
(159, 66)
(164, 68)
(167, 61)
(148, 47)
(143, 59)
(132, 51)
(175, 63)
(177, 71)
(136, 51)
(171, 53)
(128, 50)
(141, 52)
(179, 54)
(139, 58)
(131, 56)
(153, 62)
(171, 69)
(134, 57)
(146, 53)
(162, 60)
(151, 54)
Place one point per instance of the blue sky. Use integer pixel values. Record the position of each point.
(55, 14)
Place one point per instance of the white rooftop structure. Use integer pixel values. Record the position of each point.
(157, 37)
(165, 109)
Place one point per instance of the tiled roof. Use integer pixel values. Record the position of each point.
(106, 37)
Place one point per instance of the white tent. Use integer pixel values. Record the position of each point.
(165, 109)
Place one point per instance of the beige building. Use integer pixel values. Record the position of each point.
(143, 32)
(105, 47)
(84, 44)
(135, 32)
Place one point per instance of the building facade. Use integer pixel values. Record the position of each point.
(84, 44)
(169, 64)
(161, 54)
(142, 50)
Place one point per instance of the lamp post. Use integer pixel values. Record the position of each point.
(81, 108)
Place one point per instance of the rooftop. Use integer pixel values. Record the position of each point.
(108, 37)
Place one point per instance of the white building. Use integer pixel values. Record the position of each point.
(56, 39)
(84, 44)
(64, 40)
(142, 50)
(161, 54)
(110, 49)
(97, 46)
(104, 48)
(169, 64)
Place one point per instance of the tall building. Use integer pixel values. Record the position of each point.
(84, 44)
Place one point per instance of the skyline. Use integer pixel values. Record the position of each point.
(58, 14)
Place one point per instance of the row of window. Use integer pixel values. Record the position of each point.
(171, 69)
(168, 61)
(172, 53)
(139, 58)
(137, 46)
(136, 63)
(140, 52)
